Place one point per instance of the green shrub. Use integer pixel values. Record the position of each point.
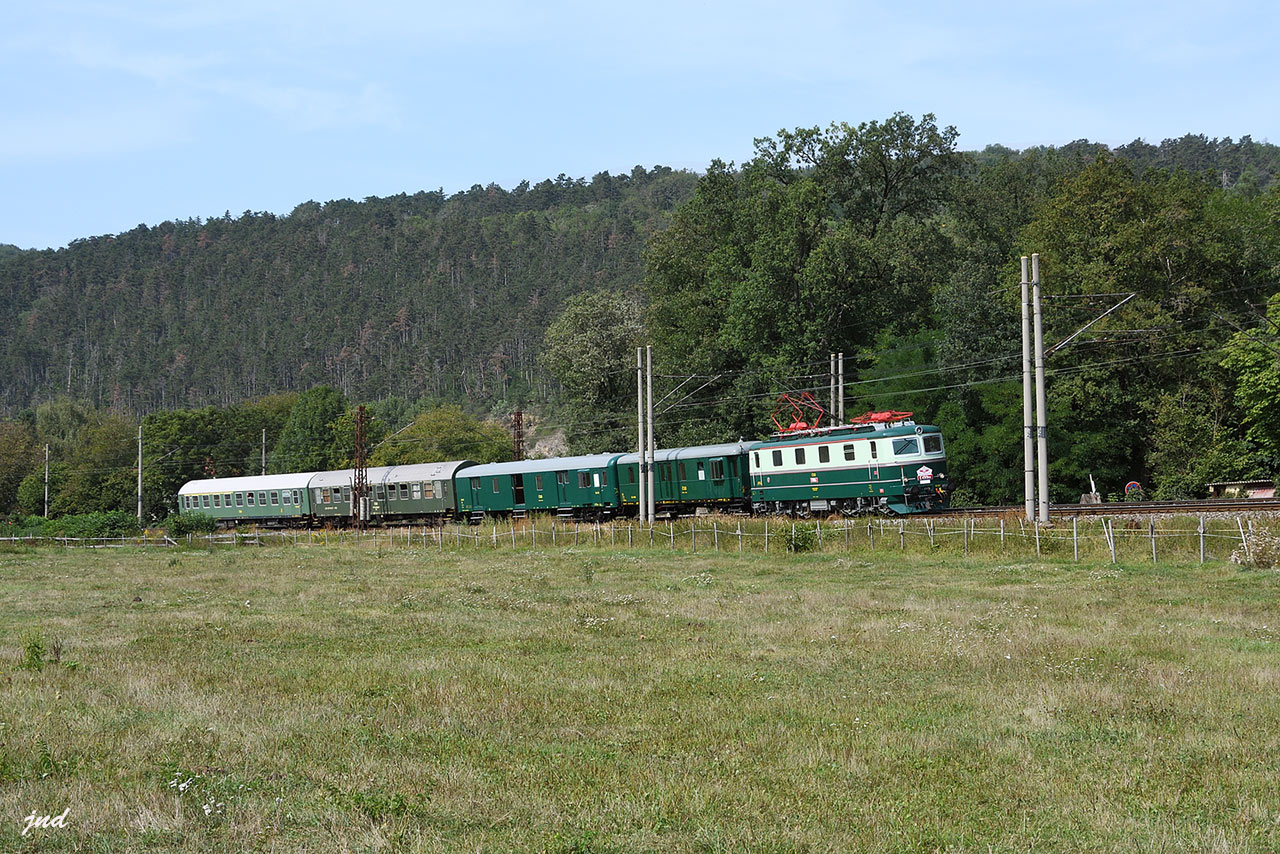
(802, 537)
(181, 524)
(33, 652)
(114, 523)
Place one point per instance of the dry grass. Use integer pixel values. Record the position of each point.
(335, 698)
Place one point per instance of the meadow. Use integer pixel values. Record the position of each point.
(584, 698)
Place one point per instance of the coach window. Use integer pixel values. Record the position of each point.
(324, 495)
(391, 492)
(562, 477)
(380, 492)
(239, 499)
(604, 478)
(217, 501)
(427, 492)
(319, 495)
(595, 479)
(226, 499)
(777, 457)
(537, 482)
(495, 486)
(717, 469)
(205, 500)
(440, 490)
(275, 498)
(417, 492)
(584, 479)
(631, 476)
(824, 453)
(799, 456)
(346, 494)
(262, 499)
(702, 472)
(850, 452)
(285, 497)
(683, 474)
(404, 492)
(933, 444)
(249, 498)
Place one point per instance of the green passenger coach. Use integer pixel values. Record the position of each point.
(892, 468)
(580, 487)
(686, 480)
(271, 499)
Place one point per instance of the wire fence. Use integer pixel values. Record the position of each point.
(1098, 539)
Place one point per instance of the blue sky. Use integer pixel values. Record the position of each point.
(120, 113)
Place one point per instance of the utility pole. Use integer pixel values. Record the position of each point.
(648, 356)
(1042, 423)
(264, 450)
(1028, 429)
(641, 507)
(46, 481)
(139, 472)
(840, 398)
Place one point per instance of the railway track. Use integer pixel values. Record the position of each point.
(1136, 508)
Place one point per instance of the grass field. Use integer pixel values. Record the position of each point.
(326, 698)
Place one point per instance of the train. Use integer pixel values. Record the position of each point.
(878, 463)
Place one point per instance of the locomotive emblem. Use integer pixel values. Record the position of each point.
(924, 474)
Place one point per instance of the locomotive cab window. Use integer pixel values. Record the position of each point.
(850, 452)
(933, 444)
(905, 446)
(757, 453)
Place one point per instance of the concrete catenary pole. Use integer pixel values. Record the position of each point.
(139, 473)
(1028, 428)
(840, 388)
(1042, 427)
(46, 481)
(648, 356)
(264, 450)
(831, 376)
(641, 507)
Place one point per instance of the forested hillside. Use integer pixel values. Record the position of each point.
(413, 295)
(880, 240)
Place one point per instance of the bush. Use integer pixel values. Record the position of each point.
(114, 523)
(802, 537)
(181, 524)
(1260, 550)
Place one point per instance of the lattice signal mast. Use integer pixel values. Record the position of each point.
(360, 479)
(517, 434)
